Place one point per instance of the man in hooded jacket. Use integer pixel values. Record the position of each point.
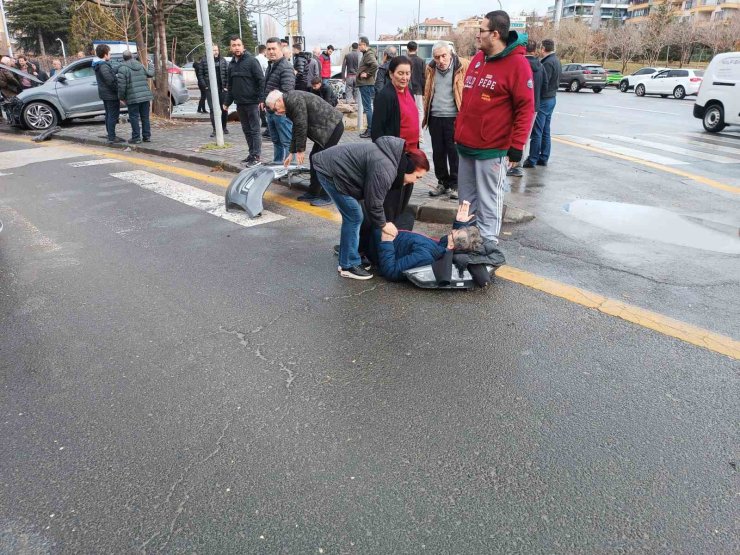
(133, 89)
(105, 74)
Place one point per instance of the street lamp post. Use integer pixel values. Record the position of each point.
(64, 53)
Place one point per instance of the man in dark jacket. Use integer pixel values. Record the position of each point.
(313, 119)
(199, 68)
(366, 82)
(279, 77)
(381, 78)
(324, 91)
(418, 77)
(350, 64)
(539, 145)
(222, 81)
(105, 74)
(133, 89)
(244, 86)
(538, 81)
(300, 65)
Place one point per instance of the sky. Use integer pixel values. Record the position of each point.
(336, 21)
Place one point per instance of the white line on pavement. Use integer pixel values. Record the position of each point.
(726, 139)
(17, 158)
(643, 110)
(641, 154)
(192, 196)
(674, 149)
(567, 114)
(98, 162)
(1, 174)
(698, 142)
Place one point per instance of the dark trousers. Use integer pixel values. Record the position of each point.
(202, 101)
(444, 152)
(224, 113)
(249, 116)
(315, 187)
(112, 111)
(136, 112)
(395, 207)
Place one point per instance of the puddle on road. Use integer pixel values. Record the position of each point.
(656, 224)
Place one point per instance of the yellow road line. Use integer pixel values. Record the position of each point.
(652, 320)
(698, 178)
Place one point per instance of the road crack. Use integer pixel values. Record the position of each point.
(358, 294)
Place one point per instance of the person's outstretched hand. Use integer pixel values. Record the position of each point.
(463, 212)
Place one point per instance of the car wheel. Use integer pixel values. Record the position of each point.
(640, 90)
(597, 89)
(714, 118)
(574, 86)
(679, 92)
(624, 86)
(39, 116)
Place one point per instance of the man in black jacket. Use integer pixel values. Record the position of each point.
(538, 82)
(279, 77)
(539, 146)
(105, 74)
(324, 91)
(418, 78)
(312, 119)
(245, 84)
(300, 65)
(222, 79)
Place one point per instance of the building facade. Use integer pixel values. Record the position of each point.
(431, 29)
(608, 10)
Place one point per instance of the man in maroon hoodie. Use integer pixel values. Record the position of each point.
(494, 119)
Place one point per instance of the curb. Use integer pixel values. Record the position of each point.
(432, 211)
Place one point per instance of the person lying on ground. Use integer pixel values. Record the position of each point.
(408, 249)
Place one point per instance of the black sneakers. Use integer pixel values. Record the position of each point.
(438, 190)
(355, 272)
(365, 134)
(252, 161)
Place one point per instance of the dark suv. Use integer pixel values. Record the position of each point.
(583, 76)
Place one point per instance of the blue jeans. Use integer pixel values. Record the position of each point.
(351, 211)
(539, 144)
(112, 111)
(281, 133)
(139, 110)
(367, 93)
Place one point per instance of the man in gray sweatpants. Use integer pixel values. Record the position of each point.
(494, 120)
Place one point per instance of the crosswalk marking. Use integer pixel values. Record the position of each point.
(701, 142)
(96, 162)
(674, 149)
(17, 158)
(724, 139)
(639, 154)
(192, 196)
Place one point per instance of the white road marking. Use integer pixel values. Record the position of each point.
(641, 154)
(674, 149)
(726, 139)
(38, 241)
(192, 196)
(643, 110)
(567, 114)
(17, 158)
(1, 174)
(98, 162)
(699, 142)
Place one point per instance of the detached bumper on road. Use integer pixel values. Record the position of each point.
(13, 109)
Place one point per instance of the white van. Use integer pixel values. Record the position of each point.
(718, 101)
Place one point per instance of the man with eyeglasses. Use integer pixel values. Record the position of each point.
(494, 120)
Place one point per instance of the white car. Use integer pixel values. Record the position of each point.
(718, 101)
(628, 82)
(677, 83)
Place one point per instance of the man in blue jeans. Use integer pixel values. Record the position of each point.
(539, 145)
(366, 82)
(105, 74)
(279, 77)
(133, 89)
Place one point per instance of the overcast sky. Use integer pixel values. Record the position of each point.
(335, 21)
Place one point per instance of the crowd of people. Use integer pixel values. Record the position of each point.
(12, 84)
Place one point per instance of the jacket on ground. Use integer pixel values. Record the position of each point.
(369, 65)
(363, 171)
(105, 75)
(245, 81)
(312, 118)
(460, 67)
(498, 103)
(133, 82)
(279, 77)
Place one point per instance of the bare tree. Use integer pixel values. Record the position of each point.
(626, 43)
(685, 37)
(573, 38)
(657, 31)
(721, 36)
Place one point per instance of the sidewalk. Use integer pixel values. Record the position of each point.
(186, 137)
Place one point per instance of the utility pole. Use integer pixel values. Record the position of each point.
(239, 16)
(215, 101)
(361, 22)
(299, 17)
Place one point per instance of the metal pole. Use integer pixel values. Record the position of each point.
(375, 28)
(361, 17)
(299, 9)
(5, 28)
(239, 16)
(418, 21)
(64, 53)
(215, 101)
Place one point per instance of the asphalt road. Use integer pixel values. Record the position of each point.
(171, 381)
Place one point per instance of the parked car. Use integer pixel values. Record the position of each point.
(188, 75)
(583, 76)
(628, 82)
(718, 101)
(678, 83)
(73, 93)
(613, 77)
